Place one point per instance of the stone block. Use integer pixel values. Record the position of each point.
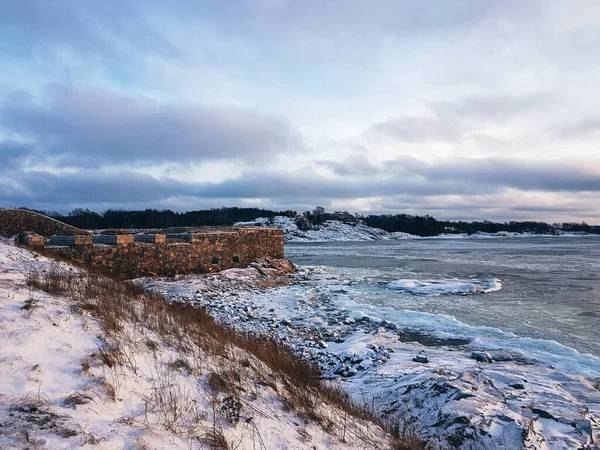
(114, 239)
(33, 240)
(151, 238)
(82, 239)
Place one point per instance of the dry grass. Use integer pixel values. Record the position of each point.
(115, 303)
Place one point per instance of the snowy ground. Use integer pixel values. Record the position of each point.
(57, 392)
(460, 398)
(334, 230)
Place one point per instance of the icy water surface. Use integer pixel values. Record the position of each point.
(543, 288)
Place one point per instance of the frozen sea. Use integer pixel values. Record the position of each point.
(540, 295)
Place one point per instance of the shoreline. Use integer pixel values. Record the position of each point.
(453, 399)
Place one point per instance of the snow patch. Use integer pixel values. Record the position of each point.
(446, 286)
(329, 231)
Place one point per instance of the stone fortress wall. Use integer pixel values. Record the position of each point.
(156, 254)
(199, 250)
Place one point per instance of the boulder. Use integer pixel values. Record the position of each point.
(482, 357)
(421, 357)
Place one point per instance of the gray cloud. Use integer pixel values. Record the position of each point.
(94, 127)
(454, 121)
(356, 164)
(422, 129)
(407, 176)
(14, 154)
(524, 175)
(582, 128)
(492, 107)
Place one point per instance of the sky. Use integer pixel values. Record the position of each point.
(466, 109)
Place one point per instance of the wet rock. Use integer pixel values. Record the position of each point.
(421, 357)
(543, 414)
(388, 325)
(482, 357)
(286, 322)
(585, 426)
(517, 386)
(501, 356)
(322, 344)
(351, 372)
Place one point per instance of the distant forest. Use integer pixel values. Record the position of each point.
(418, 225)
(154, 218)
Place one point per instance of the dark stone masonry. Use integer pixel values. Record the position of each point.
(196, 252)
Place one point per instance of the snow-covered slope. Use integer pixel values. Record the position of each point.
(330, 230)
(66, 382)
(335, 230)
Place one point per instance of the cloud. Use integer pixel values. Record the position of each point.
(14, 154)
(97, 127)
(409, 177)
(493, 107)
(355, 164)
(198, 90)
(422, 129)
(579, 129)
(553, 176)
(461, 119)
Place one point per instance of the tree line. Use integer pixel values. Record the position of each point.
(154, 218)
(429, 226)
(413, 224)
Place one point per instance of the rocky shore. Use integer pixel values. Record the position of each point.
(446, 389)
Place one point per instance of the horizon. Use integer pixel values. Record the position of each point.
(467, 111)
(355, 214)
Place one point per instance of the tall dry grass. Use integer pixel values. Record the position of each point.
(114, 303)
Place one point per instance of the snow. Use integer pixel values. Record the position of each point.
(544, 396)
(335, 230)
(56, 392)
(534, 394)
(446, 287)
(330, 230)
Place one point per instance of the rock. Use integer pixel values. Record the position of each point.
(517, 386)
(543, 414)
(585, 426)
(501, 356)
(286, 322)
(482, 357)
(340, 369)
(323, 344)
(421, 357)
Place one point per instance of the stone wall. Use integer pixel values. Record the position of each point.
(15, 221)
(204, 251)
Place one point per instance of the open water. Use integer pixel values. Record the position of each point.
(538, 295)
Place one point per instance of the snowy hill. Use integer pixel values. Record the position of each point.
(87, 361)
(330, 230)
(335, 230)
